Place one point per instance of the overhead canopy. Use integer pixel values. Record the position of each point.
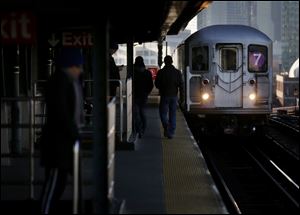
(140, 21)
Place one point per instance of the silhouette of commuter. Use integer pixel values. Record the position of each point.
(168, 81)
(142, 87)
(64, 104)
(113, 70)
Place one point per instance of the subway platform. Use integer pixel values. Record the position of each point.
(159, 176)
(165, 175)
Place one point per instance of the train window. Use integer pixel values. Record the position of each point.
(229, 58)
(200, 58)
(257, 58)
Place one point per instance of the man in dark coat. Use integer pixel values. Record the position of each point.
(64, 104)
(142, 87)
(168, 81)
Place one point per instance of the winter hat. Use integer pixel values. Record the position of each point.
(70, 57)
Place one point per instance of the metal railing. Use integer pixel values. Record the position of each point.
(76, 150)
(111, 110)
(32, 125)
(121, 106)
(129, 110)
(31, 155)
(121, 103)
(119, 96)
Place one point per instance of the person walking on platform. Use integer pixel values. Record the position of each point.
(142, 87)
(113, 70)
(168, 81)
(64, 102)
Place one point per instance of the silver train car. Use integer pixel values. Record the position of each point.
(227, 71)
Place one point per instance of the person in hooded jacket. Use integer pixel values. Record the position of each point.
(142, 87)
(64, 102)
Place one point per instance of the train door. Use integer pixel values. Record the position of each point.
(229, 76)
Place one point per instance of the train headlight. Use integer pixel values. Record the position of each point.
(252, 96)
(205, 96)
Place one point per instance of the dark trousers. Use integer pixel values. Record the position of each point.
(54, 186)
(167, 111)
(140, 120)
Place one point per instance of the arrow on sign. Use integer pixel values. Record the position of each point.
(53, 41)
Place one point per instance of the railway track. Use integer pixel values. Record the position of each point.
(283, 131)
(253, 174)
(255, 184)
(286, 122)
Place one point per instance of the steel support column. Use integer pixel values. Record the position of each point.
(130, 74)
(159, 55)
(100, 77)
(166, 48)
(130, 59)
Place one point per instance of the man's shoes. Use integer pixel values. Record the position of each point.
(170, 136)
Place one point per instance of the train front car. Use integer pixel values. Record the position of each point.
(227, 72)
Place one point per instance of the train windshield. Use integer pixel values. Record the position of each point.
(200, 59)
(257, 58)
(229, 59)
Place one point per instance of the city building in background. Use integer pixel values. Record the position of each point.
(287, 86)
(285, 90)
(238, 12)
(121, 55)
(148, 51)
(289, 32)
(208, 16)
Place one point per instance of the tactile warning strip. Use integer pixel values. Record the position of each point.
(188, 185)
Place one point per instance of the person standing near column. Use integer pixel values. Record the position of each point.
(168, 81)
(142, 87)
(64, 102)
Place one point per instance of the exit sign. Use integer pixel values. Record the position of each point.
(18, 27)
(71, 39)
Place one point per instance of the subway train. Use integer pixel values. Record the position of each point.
(227, 72)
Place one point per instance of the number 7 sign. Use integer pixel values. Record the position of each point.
(258, 56)
(257, 61)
